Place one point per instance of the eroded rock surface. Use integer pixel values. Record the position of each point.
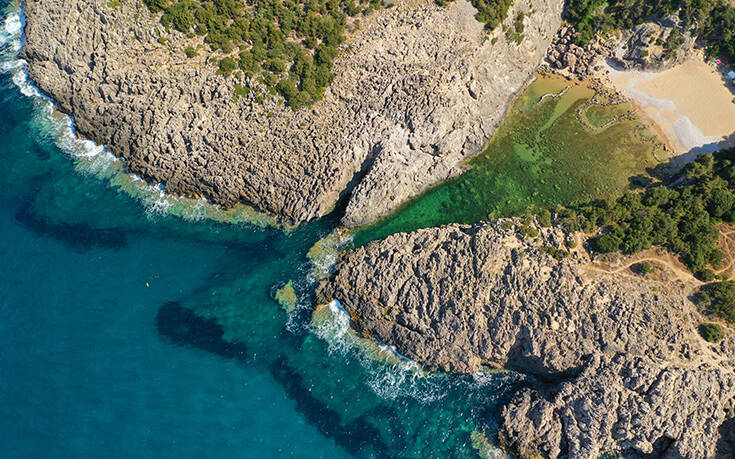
(418, 89)
(624, 368)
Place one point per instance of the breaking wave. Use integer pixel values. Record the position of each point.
(91, 158)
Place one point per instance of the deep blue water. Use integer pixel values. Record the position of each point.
(126, 331)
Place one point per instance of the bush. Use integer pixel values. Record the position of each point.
(643, 268)
(711, 333)
(682, 219)
(606, 243)
(719, 298)
(190, 52)
(705, 275)
(528, 231)
(559, 254)
(711, 20)
(544, 218)
(262, 31)
(227, 66)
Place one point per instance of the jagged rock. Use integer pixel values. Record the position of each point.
(574, 60)
(625, 370)
(643, 47)
(398, 118)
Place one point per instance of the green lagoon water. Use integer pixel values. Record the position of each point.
(139, 325)
(542, 156)
(135, 324)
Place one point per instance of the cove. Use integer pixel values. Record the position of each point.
(133, 324)
(560, 144)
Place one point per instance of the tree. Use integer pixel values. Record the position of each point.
(711, 333)
(720, 299)
(227, 65)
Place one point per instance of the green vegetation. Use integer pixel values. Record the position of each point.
(643, 268)
(526, 228)
(492, 13)
(711, 333)
(719, 299)
(256, 37)
(544, 218)
(681, 218)
(559, 254)
(190, 52)
(515, 34)
(712, 20)
(114, 4)
(540, 157)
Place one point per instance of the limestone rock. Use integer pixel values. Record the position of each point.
(624, 369)
(418, 89)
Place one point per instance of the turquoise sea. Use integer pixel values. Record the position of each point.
(133, 326)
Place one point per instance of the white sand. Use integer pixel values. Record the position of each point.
(692, 104)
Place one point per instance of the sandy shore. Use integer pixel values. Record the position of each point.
(692, 104)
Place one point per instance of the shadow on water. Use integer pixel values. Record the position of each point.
(183, 327)
(355, 437)
(78, 236)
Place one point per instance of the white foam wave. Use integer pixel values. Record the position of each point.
(389, 374)
(92, 158)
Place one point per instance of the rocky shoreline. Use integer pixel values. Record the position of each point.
(419, 89)
(621, 368)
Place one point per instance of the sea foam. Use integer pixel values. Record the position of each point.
(92, 158)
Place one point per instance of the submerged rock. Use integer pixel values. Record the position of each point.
(620, 363)
(418, 89)
(286, 297)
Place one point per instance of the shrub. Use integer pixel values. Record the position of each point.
(544, 218)
(643, 268)
(719, 298)
(262, 31)
(682, 219)
(528, 231)
(711, 333)
(227, 65)
(705, 275)
(606, 243)
(559, 254)
(190, 52)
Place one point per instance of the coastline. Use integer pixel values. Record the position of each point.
(690, 104)
(90, 157)
(353, 146)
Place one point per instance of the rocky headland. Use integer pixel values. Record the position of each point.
(418, 89)
(618, 362)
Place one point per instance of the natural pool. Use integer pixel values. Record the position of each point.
(549, 151)
(133, 324)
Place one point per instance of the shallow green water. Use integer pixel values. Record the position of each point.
(133, 326)
(541, 156)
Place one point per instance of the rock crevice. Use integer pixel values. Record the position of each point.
(620, 364)
(420, 87)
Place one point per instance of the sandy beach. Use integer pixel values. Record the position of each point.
(692, 104)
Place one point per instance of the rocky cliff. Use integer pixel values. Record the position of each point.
(620, 365)
(418, 89)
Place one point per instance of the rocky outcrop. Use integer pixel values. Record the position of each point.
(621, 367)
(418, 89)
(566, 57)
(654, 46)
